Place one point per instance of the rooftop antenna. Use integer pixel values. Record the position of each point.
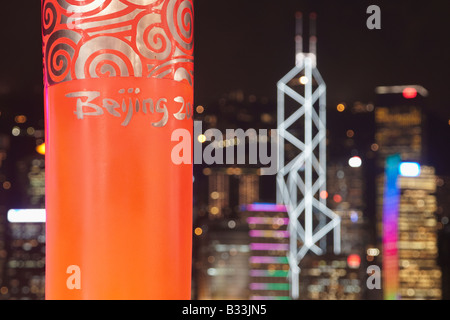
(298, 33)
(313, 33)
(301, 180)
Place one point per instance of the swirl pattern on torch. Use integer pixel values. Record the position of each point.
(85, 39)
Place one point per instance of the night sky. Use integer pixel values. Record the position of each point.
(249, 45)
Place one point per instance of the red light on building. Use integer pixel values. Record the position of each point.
(337, 198)
(409, 93)
(354, 261)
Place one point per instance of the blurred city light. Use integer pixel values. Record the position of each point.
(354, 217)
(350, 133)
(26, 215)
(373, 252)
(20, 119)
(355, 162)
(266, 207)
(409, 93)
(303, 80)
(402, 90)
(324, 194)
(374, 147)
(337, 198)
(354, 261)
(231, 224)
(341, 107)
(201, 138)
(15, 131)
(41, 149)
(200, 109)
(6, 185)
(409, 169)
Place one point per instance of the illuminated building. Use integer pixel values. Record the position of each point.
(399, 123)
(406, 201)
(269, 248)
(221, 249)
(331, 277)
(302, 173)
(410, 251)
(345, 195)
(348, 194)
(25, 271)
(340, 277)
(221, 234)
(25, 268)
(31, 181)
(22, 168)
(443, 226)
(219, 186)
(221, 264)
(419, 275)
(248, 189)
(229, 188)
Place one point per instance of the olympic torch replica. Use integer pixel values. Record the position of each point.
(118, 80)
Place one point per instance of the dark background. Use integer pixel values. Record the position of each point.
(249, 45)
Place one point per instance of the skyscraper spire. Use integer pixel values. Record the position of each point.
(298, 33)
(300, 52)
(313, 33)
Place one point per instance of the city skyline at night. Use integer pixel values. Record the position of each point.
(384, 149)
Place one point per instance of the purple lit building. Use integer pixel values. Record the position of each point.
(269, 247)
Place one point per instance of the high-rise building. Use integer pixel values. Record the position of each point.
(219, 193)
(419, 275)
(269, 250)
(331, 277)
(221, 249)
(399, 120)
(227, 189)
(221, 234)
(248, 189)
(221, 258)
(345, 193)
(25, 267)
(406, 201)
(340, 277)
(351, 150)
(443, 226)
(25, 272)
(409, 232)
(22, 168)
